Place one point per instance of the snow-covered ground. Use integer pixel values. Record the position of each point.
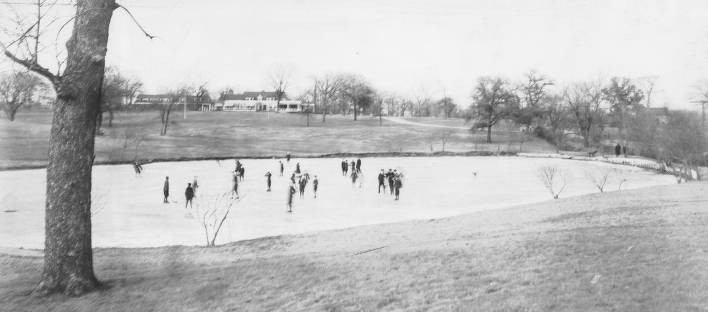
(130, 212)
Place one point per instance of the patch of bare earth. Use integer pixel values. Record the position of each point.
(640, 250)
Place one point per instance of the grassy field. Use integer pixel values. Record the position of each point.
(224, 134)
(640, 250)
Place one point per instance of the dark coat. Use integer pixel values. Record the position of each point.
(189, 192)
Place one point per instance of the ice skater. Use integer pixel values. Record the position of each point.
(138, 168)
(297, 168)
(315, 183)
(354, 176)
(303, 184)
(398, 184)
(195, 185)
(282, 168)
(188, 195)
(235, 188)
(291, 194)
(353, 166)
(166, 190)
(292, 178)
(390, 175)
(345, 166)
(242, 172)
(267, 175)
(382, 183)
(358, 165)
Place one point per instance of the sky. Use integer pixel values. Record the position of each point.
(409, 47)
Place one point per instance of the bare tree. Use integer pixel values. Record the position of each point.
(493, 101)
(447, 106)
(422, 101)
(328, 88)
(625, 99)
(165, 110)
(533, 92)
(210, 211)
(68, 256)
(599, 178)
(358, 92)
(278, 78)
(17, 89)
(553, 179)
(584, 101)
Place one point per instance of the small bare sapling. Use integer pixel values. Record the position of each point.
(599, 178)
(210, 211)
(553, 179)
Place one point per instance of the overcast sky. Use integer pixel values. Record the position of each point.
(402, 46)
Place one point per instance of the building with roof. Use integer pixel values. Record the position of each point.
(259, 102)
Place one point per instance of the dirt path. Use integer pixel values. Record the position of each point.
(413, 123)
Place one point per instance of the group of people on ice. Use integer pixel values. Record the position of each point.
(394, 179)
(189, 193)
(300, 179)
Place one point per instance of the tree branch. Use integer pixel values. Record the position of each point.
(136, 22)
(33, 66)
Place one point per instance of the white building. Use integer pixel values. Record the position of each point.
(259, 101)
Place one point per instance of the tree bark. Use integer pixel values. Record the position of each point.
(489, 134)
(68, 257)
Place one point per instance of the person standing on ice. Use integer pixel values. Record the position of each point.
(297, 168)
(242, 172)
(353, 168)
(291, 193)
(354, 176)
(315, 183)
(236, 184)
(345, 166)
(398, 184)
(390, 176)
(195, 185)
(282, 168)
(267, 175)
(292, 178)
(303, 184)
(188, 195)
(166, 189)
(382, 178)
(358, 165)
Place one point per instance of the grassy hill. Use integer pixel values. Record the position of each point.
(640, 250)
(225, 134)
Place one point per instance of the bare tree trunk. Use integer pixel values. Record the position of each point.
(68, 257)
(489, 134)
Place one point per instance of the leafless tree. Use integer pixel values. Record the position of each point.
(553, 179)
(357, 91)
(328, 88)
(599, 178)
(584, 101)
(210, 211)
(533, 92)
(422, 101)
(68, 256)
(165, 110)
(278, 78)
(494, 101)
(17, 89)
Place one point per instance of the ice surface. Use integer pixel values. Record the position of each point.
(130, 212)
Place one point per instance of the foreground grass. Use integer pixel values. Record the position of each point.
(640, 250)
(226, 134)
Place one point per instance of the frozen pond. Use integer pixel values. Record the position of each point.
(130, 212)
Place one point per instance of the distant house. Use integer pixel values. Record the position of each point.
(257, 102)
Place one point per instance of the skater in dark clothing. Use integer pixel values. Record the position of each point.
(297, 168)
(303, 184)
(267, 175)
(189, 195)
(390, 175)
(292, 178)
(397, 185)
(345, 167)
(138, 168)
(287, 157)
(242, 172)
(236, 185)
(382, 178)
(195, 186)
(291, 193)
(315, 183)
(353, 166)
(354, 176)
(166, 189)
(618, 150)
(358, 165)
(282, 168)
